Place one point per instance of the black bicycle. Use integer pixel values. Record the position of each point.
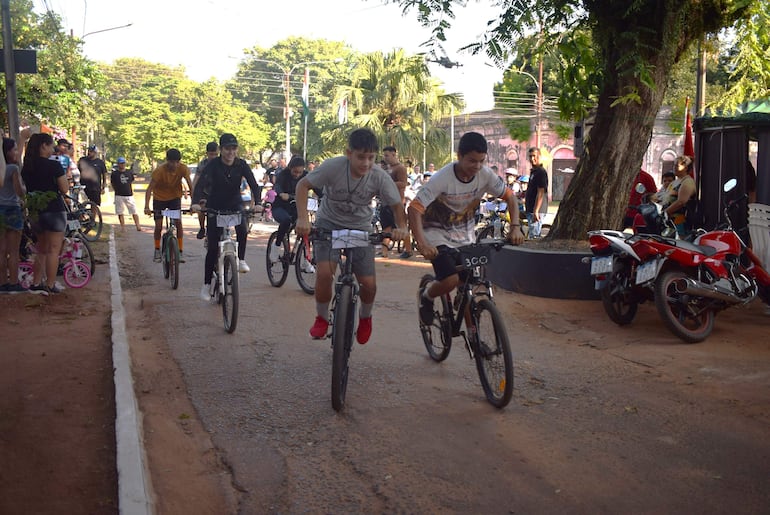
(169, 246)
(343, 309)
(86, 212)
(486, 339)
(300, 255)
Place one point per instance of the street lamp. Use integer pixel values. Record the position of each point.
(538, 100)
(106, 30)
(287, 76)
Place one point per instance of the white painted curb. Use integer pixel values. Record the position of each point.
(133, 475)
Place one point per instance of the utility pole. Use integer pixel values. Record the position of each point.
(10, 72)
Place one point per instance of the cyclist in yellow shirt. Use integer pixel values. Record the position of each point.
(166, 189)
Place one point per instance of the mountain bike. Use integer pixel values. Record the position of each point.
(87, 213)
(224, 284)
(169, 246)
(343, 309)
(486, 339)
(494, 220)
(300, 255)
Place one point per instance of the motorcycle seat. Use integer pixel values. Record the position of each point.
(703, 249)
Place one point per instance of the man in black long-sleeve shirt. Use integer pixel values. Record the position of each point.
(223, 182)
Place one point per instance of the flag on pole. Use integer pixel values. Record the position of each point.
(689, 146)
(342, 112)
(306, 93)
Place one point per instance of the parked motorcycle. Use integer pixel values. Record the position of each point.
(624, 265)
(689, 281)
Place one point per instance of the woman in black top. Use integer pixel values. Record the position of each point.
(41, 175)
(284, 209)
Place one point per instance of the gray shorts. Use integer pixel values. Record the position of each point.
(363, 257)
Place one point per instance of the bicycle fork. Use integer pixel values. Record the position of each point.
(226, 247)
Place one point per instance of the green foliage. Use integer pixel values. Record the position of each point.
(394, 95)
(64, 91)
(153, 107)
(261, 79)
(36, 201)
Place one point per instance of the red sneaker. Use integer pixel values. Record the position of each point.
(320, 328)
(364, 330)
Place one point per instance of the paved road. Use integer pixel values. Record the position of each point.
(603, 420)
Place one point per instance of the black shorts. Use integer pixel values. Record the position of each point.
(445, 263)
(160, 205)
(387, 219)
(50, 221)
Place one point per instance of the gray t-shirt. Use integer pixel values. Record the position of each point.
(8, 192)
(347, 201)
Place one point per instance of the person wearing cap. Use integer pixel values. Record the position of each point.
(223, 178)
(121, 180)
(93, 175)
(166, 191)
(212, 151)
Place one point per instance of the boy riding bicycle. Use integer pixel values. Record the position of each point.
(349, 182)
(441, 216)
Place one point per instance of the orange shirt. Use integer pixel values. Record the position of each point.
(167, 183)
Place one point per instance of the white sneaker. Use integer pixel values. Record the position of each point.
(243, 267)
(205, 295)
(307, 267)
(275, 252)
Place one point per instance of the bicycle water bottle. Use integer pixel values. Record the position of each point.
(497, 228)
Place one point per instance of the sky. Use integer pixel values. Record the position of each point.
(208, 37)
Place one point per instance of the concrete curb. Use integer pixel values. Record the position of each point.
(134, 485)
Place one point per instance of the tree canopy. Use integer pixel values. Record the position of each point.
(620, 72)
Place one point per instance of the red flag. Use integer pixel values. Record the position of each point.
(689, 147)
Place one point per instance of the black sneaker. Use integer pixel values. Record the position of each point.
(39, 289)
(55, 289)
(405, 255)
(156, 256)
(201, 234)
(15, 288)
(426, 309)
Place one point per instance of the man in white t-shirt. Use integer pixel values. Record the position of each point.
(441, 216)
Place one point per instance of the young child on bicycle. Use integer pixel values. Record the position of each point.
(349, 182)
(223, 184)
(441, 215)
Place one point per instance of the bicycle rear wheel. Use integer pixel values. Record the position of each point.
(493, 354)
(278, 266)
(230, 298)
(305, 266)
(437, 336)
(342, 342)
(90, 221)
(172, 249)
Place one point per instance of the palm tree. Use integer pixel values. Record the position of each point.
(395, 96)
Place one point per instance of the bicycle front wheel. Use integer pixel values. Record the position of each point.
(230, 298)
(305, 266)
(437, 336)
(90, 221)
(493, 354)
(342, 342)
(164, 255)
(277, 260)
(172, 249)
(76, 274)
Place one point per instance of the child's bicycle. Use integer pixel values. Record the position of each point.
(170, 254)
(300, 255)
(343, 309)
(75, 271)
(487, 338)
(224, 284)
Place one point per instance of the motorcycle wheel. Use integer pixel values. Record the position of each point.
(684, 314)
(616, 298)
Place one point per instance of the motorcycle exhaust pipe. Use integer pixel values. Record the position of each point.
(692, 287)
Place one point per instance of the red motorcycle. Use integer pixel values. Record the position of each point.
(690, 282)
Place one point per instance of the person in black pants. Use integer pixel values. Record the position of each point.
(284, 208)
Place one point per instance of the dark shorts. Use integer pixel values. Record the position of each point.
(11, 218)
(445, 263)
(386, 217)
(55, 221)
(160, 205)
(363, 257)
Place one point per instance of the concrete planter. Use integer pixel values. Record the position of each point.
(543, 273)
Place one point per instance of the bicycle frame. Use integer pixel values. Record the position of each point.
(227, 246)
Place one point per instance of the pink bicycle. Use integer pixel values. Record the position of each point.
(75, 271)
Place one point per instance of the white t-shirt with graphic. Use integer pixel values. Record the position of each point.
(450, 205)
